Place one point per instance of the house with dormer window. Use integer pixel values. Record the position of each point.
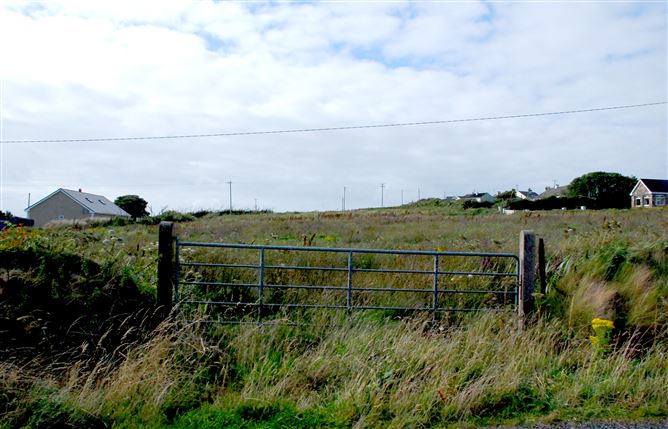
(65, 204)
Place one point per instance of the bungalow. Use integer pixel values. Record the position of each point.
(650, 193)
(65, 204)
(554, 191)
(479, 197)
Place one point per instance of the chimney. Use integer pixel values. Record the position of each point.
(79, 189)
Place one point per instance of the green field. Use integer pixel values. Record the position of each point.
(82, 345)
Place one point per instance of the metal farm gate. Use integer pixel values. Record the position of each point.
(232, 283)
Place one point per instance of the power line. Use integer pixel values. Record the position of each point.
(339, 128)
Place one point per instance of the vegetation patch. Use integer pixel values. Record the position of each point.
(60, 304)
(80, 346)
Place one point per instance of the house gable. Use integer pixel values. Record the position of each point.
(526, 195)
(640, 189)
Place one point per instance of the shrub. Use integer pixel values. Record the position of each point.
(472, 204)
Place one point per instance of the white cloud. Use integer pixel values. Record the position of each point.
(99, 69)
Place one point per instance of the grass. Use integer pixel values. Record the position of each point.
(367, 370)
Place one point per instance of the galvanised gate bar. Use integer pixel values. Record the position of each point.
(240, 280)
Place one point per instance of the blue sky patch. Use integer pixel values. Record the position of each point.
(626, 56)
(216, 44)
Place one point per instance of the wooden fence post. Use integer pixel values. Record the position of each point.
(525, 299)
(166, 268)
(542, 275)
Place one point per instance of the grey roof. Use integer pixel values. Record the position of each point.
(97, 204)
(554, 192)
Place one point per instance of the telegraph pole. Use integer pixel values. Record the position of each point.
(419, 194)
(382, 195)
(344, 199)
(255, 204)
(230, 183)
(402, 197)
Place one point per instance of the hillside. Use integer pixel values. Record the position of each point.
(82, 343)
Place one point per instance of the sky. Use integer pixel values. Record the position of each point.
(100, 69)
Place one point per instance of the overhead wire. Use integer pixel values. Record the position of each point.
(336, 128)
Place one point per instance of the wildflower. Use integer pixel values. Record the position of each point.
(598, 323)
(602, 331)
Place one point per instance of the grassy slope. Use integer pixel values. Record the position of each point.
(368, 372)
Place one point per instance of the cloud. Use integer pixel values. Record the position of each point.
(95, 69)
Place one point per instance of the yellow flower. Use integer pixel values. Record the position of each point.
(598, 323)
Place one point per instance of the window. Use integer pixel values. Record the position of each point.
(660, 200)
(647, 201)
(637, 201)
(89, 200)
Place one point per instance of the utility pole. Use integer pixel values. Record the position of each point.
(402, 197)
(255, 204)
(382, 195)
(230, 183)
(343, 206)
(419, 194)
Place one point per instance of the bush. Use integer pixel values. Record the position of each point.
(134, 205)
(472, 204)
(609, 190)
(553, 203)
(168, 216)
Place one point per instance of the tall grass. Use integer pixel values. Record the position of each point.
(364, 374)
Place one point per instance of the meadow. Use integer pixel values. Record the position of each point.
(82, 344)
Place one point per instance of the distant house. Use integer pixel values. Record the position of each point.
(478, 197)
(65, 204)
(650, 193)
(554, 191)
(526, 195)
